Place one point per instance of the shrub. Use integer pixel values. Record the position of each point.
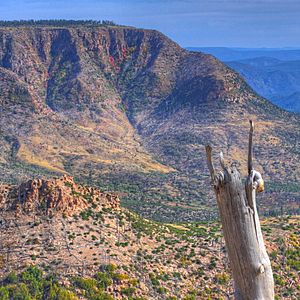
(87, 284)
(128, 291)
(4, 293)
(222, 278)
(104, 280)
(161, 290)
(11, 278)
(110, 268)
(33, 277)
(20, 292)
(119, 276)
(59, 293)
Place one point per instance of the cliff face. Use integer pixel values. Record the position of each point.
(69, 70)
(60, 98)
(129, 109)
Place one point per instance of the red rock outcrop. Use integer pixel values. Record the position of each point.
(58, 195)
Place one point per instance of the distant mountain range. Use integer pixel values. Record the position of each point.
(272, 73)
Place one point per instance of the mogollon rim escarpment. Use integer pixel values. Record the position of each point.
(130, 111)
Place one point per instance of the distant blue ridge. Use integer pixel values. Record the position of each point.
(230, 54)
(273, 73)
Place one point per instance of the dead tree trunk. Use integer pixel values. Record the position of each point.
(249, 261)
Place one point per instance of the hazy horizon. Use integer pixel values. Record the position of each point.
(246, 48)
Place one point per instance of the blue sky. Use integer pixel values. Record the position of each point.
(231, 23)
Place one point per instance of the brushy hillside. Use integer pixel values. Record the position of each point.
(61, 240)
(130, 111)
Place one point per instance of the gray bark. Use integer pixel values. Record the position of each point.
(249, 261)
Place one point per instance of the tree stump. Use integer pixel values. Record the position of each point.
(249, 261)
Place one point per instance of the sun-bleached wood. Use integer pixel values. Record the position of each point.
(249, 261)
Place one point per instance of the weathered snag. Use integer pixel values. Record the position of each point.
(249, 261)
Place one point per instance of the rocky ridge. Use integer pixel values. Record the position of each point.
(55, 196)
